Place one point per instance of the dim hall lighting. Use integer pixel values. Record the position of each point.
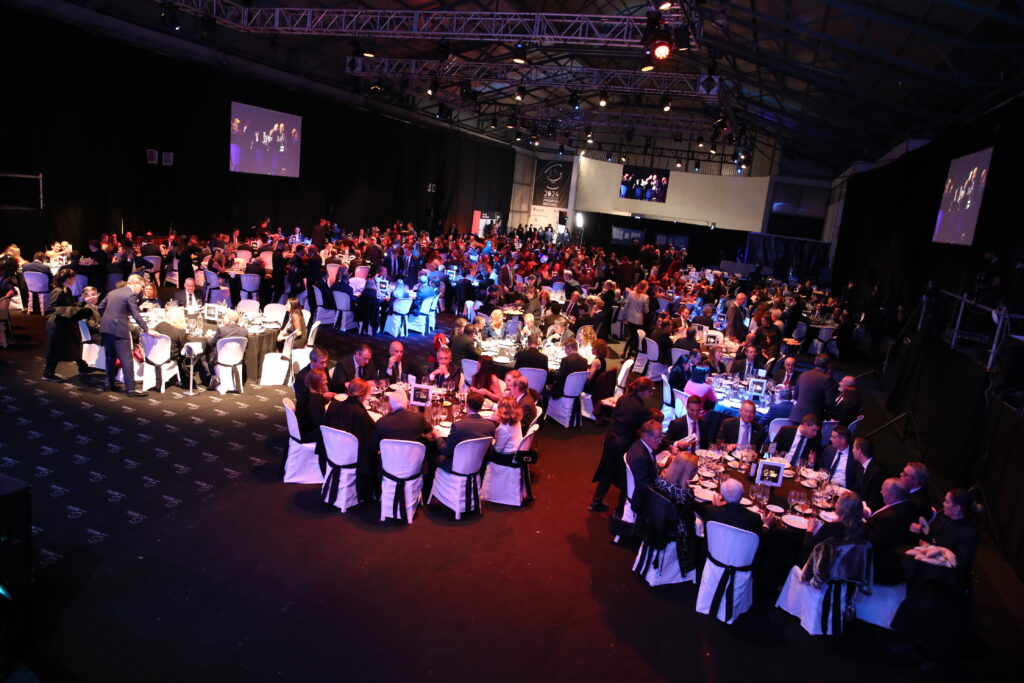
(520, 93)
(666, 103)
(603, 102)
(433, 87)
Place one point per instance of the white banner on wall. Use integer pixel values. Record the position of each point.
(544, 215)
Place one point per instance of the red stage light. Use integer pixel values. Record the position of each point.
(661, 50)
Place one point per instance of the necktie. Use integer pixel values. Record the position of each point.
(693, 430)
(835, 464)
(789, 376)
(798, 443)
(744, 434)
(359, 371)
(839, 399)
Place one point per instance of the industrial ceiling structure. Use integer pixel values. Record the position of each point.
(809, 84)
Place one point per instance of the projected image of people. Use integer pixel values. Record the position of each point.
(264, 141)
(961, 199)
(643, 184)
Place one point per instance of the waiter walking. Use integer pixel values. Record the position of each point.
(117, 338)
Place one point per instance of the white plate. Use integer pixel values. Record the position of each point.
(746, 502)
(503, 360)
(828, 516)
(808, 483)
(788, 473)
(774, 508)
(394, 387)
(445, 425)
(808, 473)
(487, 413)
(795, 521)
(703, 494)
(710, 485)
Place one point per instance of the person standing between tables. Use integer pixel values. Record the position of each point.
(63, 341)
(628, 416)
(120, 305)
(812, 389)
(888, 529)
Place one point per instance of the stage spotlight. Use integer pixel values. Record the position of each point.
(661, 46)
(561, 149)
(535, 140)
(574, 100)
(696, 166)
(519, 54)
(169, 15)
(743, 164)
(666, 103)
(666, 6)
(700, 142)
(369, 53)
(511, 123)
(433, 87)
(603, 102)
(589, 132)
(647, 64)
(590, 141)
(520, 93)
(608, 156)
(713, 149)
(622, 158)
(494, 122)
(679, 164)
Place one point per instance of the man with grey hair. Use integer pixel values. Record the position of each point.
(229, 328)
(845, 405)
(728, 509)
(915, 478)
(888, 530)
(120, 305)
(405, 425)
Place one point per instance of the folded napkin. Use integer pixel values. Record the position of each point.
(934, 554)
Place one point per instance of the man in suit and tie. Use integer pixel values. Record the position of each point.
(396, 367)
(405, 425)
(187, 297)
(747, 366)
(688, 432)
(119, 305)
(532, 356)
(743, 431)
(837, 459)
(357, 365)
(463, 343)
(812, 389)
(801, 442)
(518, 387)
(735, 324)
(317, 360)
(888, 530)
(869, 473)
(229, 328)
(705, 318)
(641, 459)
(558, 333)
(573, 362)
(786, 374)
(915, 477)
(660, 336)
(507, 275)
(472, 426)
(844, 406)
(726, 508)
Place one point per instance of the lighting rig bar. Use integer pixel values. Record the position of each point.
(592, 30)
(546, 75)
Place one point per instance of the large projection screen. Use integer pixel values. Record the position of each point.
(264, 141)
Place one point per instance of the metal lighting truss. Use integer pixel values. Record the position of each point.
(533, 27)
(680, 85)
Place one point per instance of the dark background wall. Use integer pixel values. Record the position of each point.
(83, 110)
(707, 247)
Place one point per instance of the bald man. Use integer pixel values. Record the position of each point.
(727, 509)
(844, 406)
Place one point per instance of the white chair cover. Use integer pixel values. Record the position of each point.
(346, 319)
(157, 368)
(277, 367)
(213, 292)
(679, 401)
(358, 284)
(568, 410)
(250, 286)
(402, 481)
(623, 378)
(676, 353)
(361, 272)
(641, 352)
(507, 485)
(328, 316)
(459, 489)
(230, 358)
(775, 425)
(668, 404)
(248, 307)
(92, 353)
(301, 466)
(469, 368)
(38, 285)
(663, 567)
(628, 515)
(243, 254)
(332, 272)
(339, 488)
(881, 606)
(274, 312)
(727, 590)
(171, 276)
(536, 377)
(300, 357)
(420, 320)
(396, 325)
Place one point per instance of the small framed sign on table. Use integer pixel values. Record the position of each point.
(769, 472)
(421, 394)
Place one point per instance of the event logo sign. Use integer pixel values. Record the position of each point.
(551, 184)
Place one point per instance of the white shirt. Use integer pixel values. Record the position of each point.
(507, 438)
(838, 468)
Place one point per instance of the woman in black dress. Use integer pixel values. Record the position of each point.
(351, 416)
(629, 415)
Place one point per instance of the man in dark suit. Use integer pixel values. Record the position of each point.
(747, 366)
(688, 432)
(557, 328)
(735, 325)
(472, 426)
(403, 424)
(373, 254)
(801, 442)
(844, 406)
(396, 367)
(688, 341)
(463, 343)
(743, 431)
(705, 318)
(119, 305)
(359, 364)
(812, 389)
(188, 297)
(786, 372)
(317, 360)
(868, 484)
(660, 336)
(888, 530)
(532, 356)
(507, 275)
(229, 328)
(641, 459)
(573, 362)
(726, 509)
(36, 265)
(518, 387)
(837, 459)
(915, 477)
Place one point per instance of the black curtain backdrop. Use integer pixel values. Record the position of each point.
(83, 110)
(808, 259)
(889, 214)
(706, 250)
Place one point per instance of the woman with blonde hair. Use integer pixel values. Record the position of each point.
(496, 329)
(586, 336)
(509, 432)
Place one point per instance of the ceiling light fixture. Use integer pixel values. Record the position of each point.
(433, 87)
(603, 102)
(520, 93)
(666, 103)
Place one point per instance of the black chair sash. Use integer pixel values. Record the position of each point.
(236, 373)
(649, 557)
(833, 607)
(158, 370)
(398, 500)
(332, 483)
(576, 414)
(726, 585)
(472, 490)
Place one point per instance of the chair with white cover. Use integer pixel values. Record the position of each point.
(628, 514)
(668, 404)
(362, 272)
(249, 284)
(277, 367)
(171, 276)
(274, 313)
(92, 353)
(469, 368)
(881, 606)
(641, 352)
(568, 410)
(80, 283)
(775, 425)
(230, 363)
(397, 323)
(536, 378)
(727, 584)
(825, 341)
(471, 308)
(346, 319)
(339, 487)
(402, 480)
(459, 490)
(267, 257)
(157, 368)
(213, 291)
(243, 253)
(855, 425)
(623, 377)
(510, 485)
(676, 353)
(618, 317)
(358, 284)
(419, 320)
(301, 465)
(300, 357)
(248, 307)
(657, 561)
(332, 272)
(38, 285)
(327, 316)
(821, 609)
(654, 369)
(679, 401)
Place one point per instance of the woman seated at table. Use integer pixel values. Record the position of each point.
(509, 432)
(319, 400)
(585, 337)
(848, 527)
(351, 416)
(295, 322)
(150, 298)
(496, 328)
(715, 362)
(953, 529)
(699, 384)
(401, 291)
(674, 484)
(679, 373)
(486, 381)
(443, 372)
(599, 354)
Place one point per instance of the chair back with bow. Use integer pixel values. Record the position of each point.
(726, 586)
(402, 482)
(230, 355)
(38, 285)
(469, 455)
(775, 425)
(156, 347)
(342, 450)
(244, 254)
(628, 513)
(536, 378)
(250, 284)
(274, 312)
(248, 307)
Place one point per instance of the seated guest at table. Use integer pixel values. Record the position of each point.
(472, 426)
(679, 373)
(463, 343)
(572, 362)
(443, 371)
(486, 380)
(715, 362)
(848, 528)
(396, 367)
(495, 329)
(149, 298)
(642, 461)
(320, 398)
(405, 425)
(188, 296)
(532, 356)
(674, 485)
(889, 532)
(341, 284)
(401, 291)
(295, 321)
(705, 318)
(743, 431)
(727, 509)
(689, 431)
(255, 267)
(518, 387)
(37, 265)
(688, 340)
(174, 328)
(746, 366)
(629, 414)
(786, 373)
(90, 311)
(350, 367)
(660, 336)
(367, 308)
(700, 385)
(599, 349)
(799, 443)
(845, 406)
(572, 307)
(528, 328)
(351, 416)
(585, 338)
(869, 476)
(558, 332)
(229, 328)
(838, 461)
(317, 361)
(915, 477)
(812, 389)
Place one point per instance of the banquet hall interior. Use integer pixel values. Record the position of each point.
(530, 340)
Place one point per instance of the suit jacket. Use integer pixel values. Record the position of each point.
(350, 416)
(853, 469)
(345, 370)
(732, 514)
(179, 297)
(570, 364)
(734, 325)
(642, 464)
(223, 332)
(679, 428)
(463, 346)
(531, 358)
(399, 374)
(739, 366)
(661, 338)
(730, 432)
(922, 503)
(529, 407)
(302, 400)
(784, 441)
(869, 486)
(780, 375)
(469, 427)
(406, 425)
(845, 412)
(119, 305)
(888, 530)
(812, 389)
